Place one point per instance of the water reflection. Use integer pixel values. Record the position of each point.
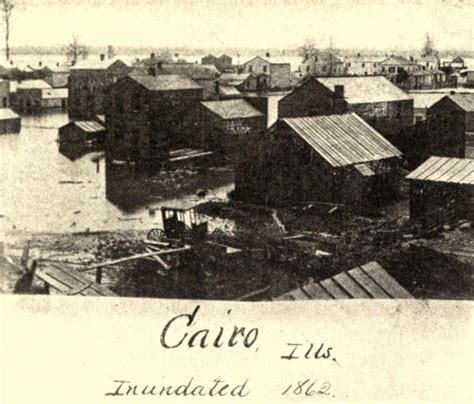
(44, 190)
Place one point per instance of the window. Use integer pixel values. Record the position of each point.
(363, 64)
(264, 69)
(399, 69)
(349, 64)
(375, 64)
(307, 68)
(383, 69)
(324, 68)
(250, 68)
(391, 69)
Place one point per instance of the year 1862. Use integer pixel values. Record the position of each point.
(308, 388)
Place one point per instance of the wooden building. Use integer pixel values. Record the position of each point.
(369, 281)
(379, 102)
(450, 126)
(10, 122)
(273, 75)
(89, 83)
(323, 64)
(54, 99)
(441, 189)
(82, 134)
(336, 158)
(226, 124)
(149, 116)
(58, 76)
(29, 95)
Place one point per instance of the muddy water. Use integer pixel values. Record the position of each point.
(42, 190)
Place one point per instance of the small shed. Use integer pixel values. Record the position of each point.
(441, 189)
(369, 281)
(54, 98)
(82, 133)
(10, 122)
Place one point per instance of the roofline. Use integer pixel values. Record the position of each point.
(203, 103)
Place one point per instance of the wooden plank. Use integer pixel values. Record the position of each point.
(385, 281)
(350, 286)
(333, 289)
(135, 257)
(314, 291)
(368, 284)
(298, 294)
(71, 281)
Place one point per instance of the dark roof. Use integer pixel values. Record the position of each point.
(96, 64)
(165, 82)
(361, 90)
(369, 281)
(343, 140)
(465, 101)
(445, 169)
(232, 109)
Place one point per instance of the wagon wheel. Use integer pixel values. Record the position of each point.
(155, 235)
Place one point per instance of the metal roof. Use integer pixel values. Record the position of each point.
(343, 140)
(369, 281)
(232, 109)
(7, 113)
(366, 89)
(89, 126)
(445, 169)
(164, 82)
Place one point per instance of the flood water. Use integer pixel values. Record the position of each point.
(41, 190)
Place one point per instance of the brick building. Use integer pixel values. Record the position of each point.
(380, 103)
(149, 116)
(335, 158)
(89, 83)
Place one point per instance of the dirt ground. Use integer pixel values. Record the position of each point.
(425, 272)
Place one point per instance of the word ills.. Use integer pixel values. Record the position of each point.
(180, 331)
(308, 351)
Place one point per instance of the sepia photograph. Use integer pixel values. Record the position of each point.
(279, 152)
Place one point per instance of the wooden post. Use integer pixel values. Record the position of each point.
(98, 275)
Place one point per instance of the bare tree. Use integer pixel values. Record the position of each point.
(75, 49)
(7, 8)
(428, 47)
(307, 49)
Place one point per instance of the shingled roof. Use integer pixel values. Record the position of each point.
(165, 82)
(343, 140)
(362, 90)
(232, 109)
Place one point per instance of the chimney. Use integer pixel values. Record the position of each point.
(267, 54)
(152, 55)
(339, 92)
(40, 63)
(73, 63)
(358, 55)
(452, 92)
(412, 59)
(57, 64)
(102, 57)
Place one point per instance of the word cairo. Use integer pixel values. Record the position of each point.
(182, 331)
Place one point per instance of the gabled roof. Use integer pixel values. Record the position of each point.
(445, 169)
(369, 281)
(343, 140)
(33, 84)
(164, 82)
(425, 100)
(232, 109)
(271, 60)
(464, 101)
(96, 64)
(366, 89)
(229, 90)
(7, 113)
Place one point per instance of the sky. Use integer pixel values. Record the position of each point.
(376, 24)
